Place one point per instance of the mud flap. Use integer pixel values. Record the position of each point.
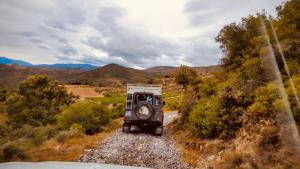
(159, 130)
(126, 128)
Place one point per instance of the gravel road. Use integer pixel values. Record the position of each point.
(138, 149)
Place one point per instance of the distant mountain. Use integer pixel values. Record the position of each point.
(68, 66)
(112, 74)
(8, 61)
(161, 69)
(109, 75)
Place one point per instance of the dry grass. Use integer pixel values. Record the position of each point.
(72, 148)
(83, 91)
(186, 143)
(231, 160)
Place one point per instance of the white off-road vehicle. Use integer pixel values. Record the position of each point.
(144, 108)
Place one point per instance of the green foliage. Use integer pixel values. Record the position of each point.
(216, 114)
(292, 98)
(246, 84)
(111, 98)
(238, 41)
(67, 134)
(92, 116)
(37, 102)
(267, 101)
(204, 117)
(172, 101)
(185, 76)
(76, 127)
(287, 28)
(188, 101)
(117, 110)
(36, 135)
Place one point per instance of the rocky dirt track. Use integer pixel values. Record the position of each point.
(138, 149)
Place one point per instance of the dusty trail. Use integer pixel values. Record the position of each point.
(138, 149)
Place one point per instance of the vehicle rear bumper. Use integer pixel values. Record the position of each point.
(143, 123)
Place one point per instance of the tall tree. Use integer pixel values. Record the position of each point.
(36, 102)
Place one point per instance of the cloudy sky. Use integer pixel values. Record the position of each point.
(135, 33)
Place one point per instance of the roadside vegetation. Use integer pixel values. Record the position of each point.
(41, 115)
(41, 120)
(243, 102)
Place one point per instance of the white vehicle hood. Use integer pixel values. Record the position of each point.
(61, 165)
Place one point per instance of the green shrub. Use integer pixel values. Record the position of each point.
(204, 118)
(172, 104)
(92, 116)
(188, 101)
(117, 110)
(62, 136)
(76, 127)
(267, 101)
(185, 76)
(36, 102)
(44, 133)
(217, 115)
(292, 98)
(36, 134)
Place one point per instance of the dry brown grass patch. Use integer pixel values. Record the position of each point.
(72, 148)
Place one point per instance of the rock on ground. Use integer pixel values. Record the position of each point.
(138, 149)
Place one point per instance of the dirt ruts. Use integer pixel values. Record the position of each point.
(138, 149)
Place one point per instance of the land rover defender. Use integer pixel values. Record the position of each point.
(144, 108)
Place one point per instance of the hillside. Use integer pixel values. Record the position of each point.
(12, 74)
(170, 70)
(108, 75)
(112, 74)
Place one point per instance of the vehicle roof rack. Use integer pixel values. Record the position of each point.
(146, 85)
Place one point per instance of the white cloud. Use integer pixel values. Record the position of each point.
(137, 33)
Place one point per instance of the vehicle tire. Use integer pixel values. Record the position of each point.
(144, 111)
(159, 130)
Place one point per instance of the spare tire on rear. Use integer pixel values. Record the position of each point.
(144, 110)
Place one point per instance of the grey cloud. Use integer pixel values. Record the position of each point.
(203, 12)
(63, 40)
(201, 54)
(36, 41)
(43, 47)
(83, 31)
(57, 24)
(134, 46)
(29, 34)
(68, 50)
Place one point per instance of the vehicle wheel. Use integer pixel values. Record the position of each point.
(159, 130)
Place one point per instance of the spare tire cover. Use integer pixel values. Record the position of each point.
(143, 110)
